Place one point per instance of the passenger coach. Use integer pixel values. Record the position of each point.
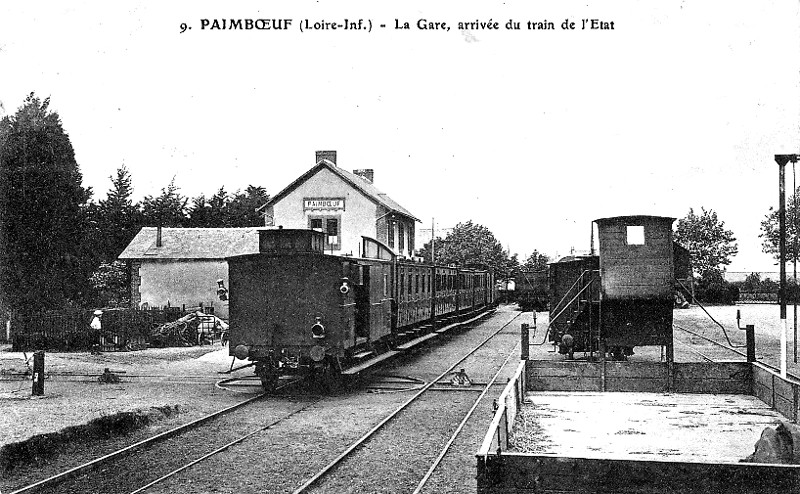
(296, 310)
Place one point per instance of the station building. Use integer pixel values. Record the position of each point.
(182, 266)
(344, 206)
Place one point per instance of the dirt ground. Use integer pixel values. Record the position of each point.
(176, 377)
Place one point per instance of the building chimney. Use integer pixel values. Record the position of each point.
(367, 174)
(158, 236)
(326, 155)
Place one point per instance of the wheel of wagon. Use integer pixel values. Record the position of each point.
(269, 382)
(328, 378)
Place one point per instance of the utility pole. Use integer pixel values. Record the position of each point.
(433, 241)
(782, 160)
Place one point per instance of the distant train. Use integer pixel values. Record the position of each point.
(623, 297)
(297, 311)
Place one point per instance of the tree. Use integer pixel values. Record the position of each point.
(116, 219)
(243, 205)
(472, 244)
(168, 209)
(536, 262)
(110, 284)
(199, 212)
(226, 210)
(770, 231)
(710, 245)
(43, 210)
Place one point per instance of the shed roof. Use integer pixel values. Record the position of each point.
(192, 243)
(634, 218)
(362, 185)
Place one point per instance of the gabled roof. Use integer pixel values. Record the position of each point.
(192, 243)
(362, 185)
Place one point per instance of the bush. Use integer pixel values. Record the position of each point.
(717, 293)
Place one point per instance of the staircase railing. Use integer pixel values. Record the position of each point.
(581, 285)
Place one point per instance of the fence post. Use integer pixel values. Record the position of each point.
(750, 335)
(524, 342)
(38, 373)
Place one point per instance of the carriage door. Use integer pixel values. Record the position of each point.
(361, 288)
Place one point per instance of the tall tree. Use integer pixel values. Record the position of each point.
(118, 219)
(472, 244)
(226, 210)
(770, 231)
(42, 210)
(243, 205)
(167, 209)
(710, 245)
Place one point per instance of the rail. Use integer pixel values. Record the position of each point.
(361, 441)
(724, 331)
(104, 460)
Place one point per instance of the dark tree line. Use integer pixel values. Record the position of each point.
(58, 246)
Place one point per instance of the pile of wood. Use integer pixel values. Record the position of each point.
(195, 328)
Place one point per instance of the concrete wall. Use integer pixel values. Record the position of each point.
(357, 218)
(185, 282)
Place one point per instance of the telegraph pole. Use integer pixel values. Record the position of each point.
(782, 160)
(433, 241)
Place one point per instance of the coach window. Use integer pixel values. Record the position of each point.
(402, 284)
(635, 235)
(385, 284)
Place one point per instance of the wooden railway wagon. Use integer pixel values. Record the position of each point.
(296, 310)
(622, 298)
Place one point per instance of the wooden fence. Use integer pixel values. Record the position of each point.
(71, 330)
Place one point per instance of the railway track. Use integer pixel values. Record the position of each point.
(724, 346)
(84, 478)
(240, 438)
(398, 415)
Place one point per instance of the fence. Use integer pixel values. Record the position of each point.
(70, 329)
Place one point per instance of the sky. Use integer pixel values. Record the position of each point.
(531, 133)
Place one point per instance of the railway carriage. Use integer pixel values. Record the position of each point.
(296, 310)
(621, 298)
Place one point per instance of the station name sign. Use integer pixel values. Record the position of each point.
(336, 203)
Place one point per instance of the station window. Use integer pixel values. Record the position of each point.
(635, 235)
(410, 281)
(401, 236)
(416, 284)
(402, 285)
(331, 226)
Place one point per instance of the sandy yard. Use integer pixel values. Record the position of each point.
(176, 377)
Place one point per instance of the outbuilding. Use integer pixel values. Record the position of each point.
(343, 205)
(184, 266)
